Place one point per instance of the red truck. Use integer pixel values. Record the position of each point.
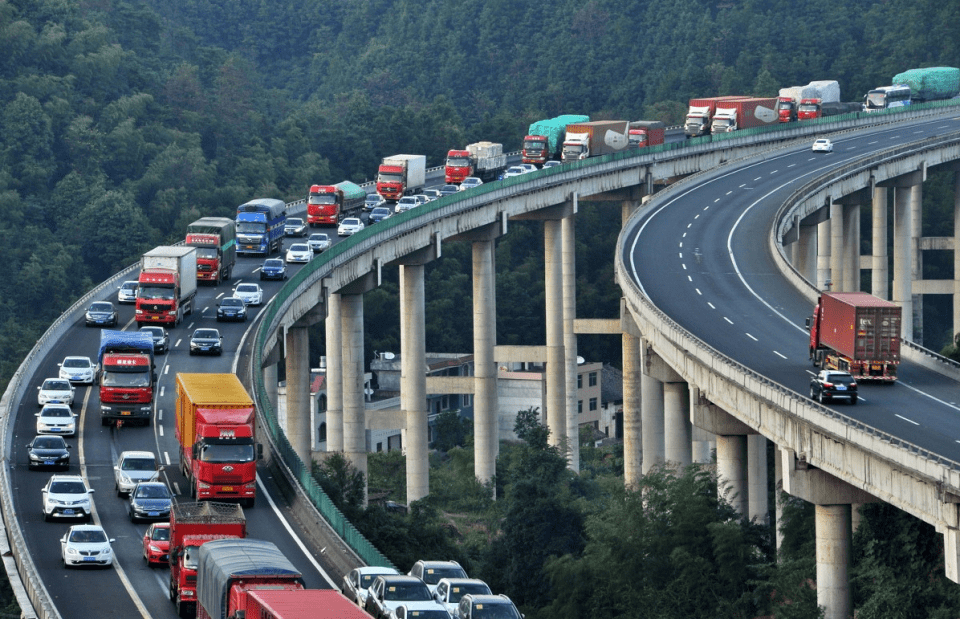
(646, 133)
(327, 205)
(229, 569)
(856, 332)
(216, 430)
(168, 285)
(484, 160)
(816, 108)
(192, 525)
(126, 377)
(401, 175)
(304, 604)
(700, 114)
(216, 241)
(744, 114)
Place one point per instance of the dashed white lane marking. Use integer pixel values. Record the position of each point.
(908, 420)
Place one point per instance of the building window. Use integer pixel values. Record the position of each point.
(379, 447)
(323, 433)
(445, 403)
(593, 404)
(468, 400)
(579, 407)
(593, 379)
(579, 381)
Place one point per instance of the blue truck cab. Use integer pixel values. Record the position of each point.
(260, 226)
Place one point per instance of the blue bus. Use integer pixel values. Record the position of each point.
(886, 97)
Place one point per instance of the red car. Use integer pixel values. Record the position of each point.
(156, 543)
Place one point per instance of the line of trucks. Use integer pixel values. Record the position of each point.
(217, 572)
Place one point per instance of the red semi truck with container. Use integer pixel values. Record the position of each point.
(544, 139)
(168, 285)
(327, 205)
(192, 525)
(700, 114)
(216, 429)
(484, 160)
(126, 377)
(856, 332)
(744, 114)
(304, 604)
(646, 133)
(592, 139)
(216, 241)
(401, 175)
(229, 569)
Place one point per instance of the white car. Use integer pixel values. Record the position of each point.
(450, 590)
(514, 170)
(356, 583)
(56, 419)
(55, 391)
(823, 145)
(470, 182)
(66, 496)
(128, 292)
(406, 203)
(133, 467)
(299, 252)
(77, 370)
(420, 610)
(86, 544)
(319, 241)
(252, 294)
(349, 226)
(551, 164)
(432, 194)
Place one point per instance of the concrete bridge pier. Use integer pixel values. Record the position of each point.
(632, 423)
(413, 380)
(333, 377)
(806, 252)
(836, 251)
(734, 477)
(485, 404)
(297, 360)
(678, 432)
(823, 251)
(833, 499)
(556, 396)
(569, 266)
(271, 383)
(907, 198)
(850, 242)
(757, 479)
(879, 285)
(653, 414)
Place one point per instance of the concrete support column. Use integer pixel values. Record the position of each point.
(902, 224)
(703, 443)
(916, 258)
(413, 380)
(879, 284)
(778, 495)
(298, 429)
(651, 414)
(732, 471)
(856, 516)
(632, 424)
(837, 249)
(807, 253)
(354, 413)
(270, 383)
(823, 253)
(334, 374)
(485, 423)
(759, 504)
(556, 396)
(569, 257)
(851, 246)
(956, 253)
(833, 560)
(678, 431)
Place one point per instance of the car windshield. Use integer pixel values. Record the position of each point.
(56, 385)
(231, 452)
(55, 412)
(432, 575)
(476, 588)
(68, 487)
(273, 263)
(428, 614)
(252, 288)
(293, 248)
(49, 442)
(293, 222)
(232, 303)
(155, 293)
(101, 307)
(486, 610)
(138, 464)
(406, 592)
(160, 534)
(88, 537)
(152, 492)
(350, 221)
(381, 211)
(153, 331)
(206, 334)
(843, 379)
(126, 378)
(129, 285)
(76, 363)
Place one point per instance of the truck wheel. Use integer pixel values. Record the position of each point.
(104, 421)
(249, 502)
(171, 591)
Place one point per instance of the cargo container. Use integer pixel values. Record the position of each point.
(856, 332)
(126, 377)
(744, 114)
(401, 175)
(228, 569)
(790, 99)
(485, 160)
(327, 205)
(544, 139)
(192, 525)
(593, 139)
(303, 604)
(216, 241)
(646, 133)
(930, 84)
(815, 108)
(216, 429)
(700, 114)
(260, 225)
(168, 285)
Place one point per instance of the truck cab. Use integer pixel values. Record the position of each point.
(459, 166)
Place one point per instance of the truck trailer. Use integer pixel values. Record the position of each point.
(327, 205)
(858, 333)
(216, 429)
(744, 114)
(168, 285)
(401, 175)
(544, 139)
(305, 604)
(485, 160)
(646, 133)
(260, 226)
(228, 569)
(126, 377)
(216, 241)
(192, 525)
(593, 139)
(700, 114)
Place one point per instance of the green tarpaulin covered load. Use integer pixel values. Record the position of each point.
(932, 83)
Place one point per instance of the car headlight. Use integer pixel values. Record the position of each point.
(187, 593)
(34, 457)
(154, 548)
(72, 551)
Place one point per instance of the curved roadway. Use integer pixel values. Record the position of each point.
(735, 299)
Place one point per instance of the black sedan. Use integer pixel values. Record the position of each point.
(830, 384)
(161, 341)
(273, 268)
(206, 342)
(231, 308)
(101, 314)
(48, 452)
(378, 214)
(149, 500)
(295, 227)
